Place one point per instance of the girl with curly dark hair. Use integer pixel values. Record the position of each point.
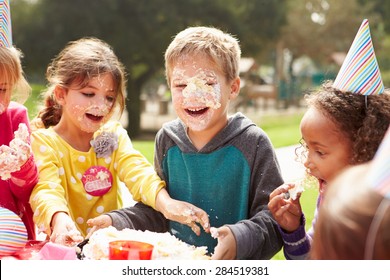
(339, 129)
(344, 125)
(354, 221)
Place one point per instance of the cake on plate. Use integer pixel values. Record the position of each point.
(166, 246)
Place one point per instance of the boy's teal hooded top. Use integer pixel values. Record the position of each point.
(230, 178)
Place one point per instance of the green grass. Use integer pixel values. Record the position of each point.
(146, 148)
(34, 101)
(282, 129)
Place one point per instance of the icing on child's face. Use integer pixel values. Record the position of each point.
(202, 89)
(92, 105)
(196, 92)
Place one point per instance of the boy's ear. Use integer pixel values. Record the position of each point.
(59, 94)
(235, 88)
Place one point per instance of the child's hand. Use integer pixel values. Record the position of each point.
(7, 162)
(226, 248)
(64, 230)
(99, 222)
(20, 144)
(188, 214)
(286, 211)
(21, 151)
(182, 212)
(13, 157)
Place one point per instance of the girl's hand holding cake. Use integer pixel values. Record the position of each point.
(12, 157)
(285, 210)
(64, 231)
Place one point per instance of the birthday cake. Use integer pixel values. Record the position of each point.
(166, 246)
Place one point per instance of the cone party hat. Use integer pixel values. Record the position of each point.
(359, 72)
(379, 172)
(5, 24)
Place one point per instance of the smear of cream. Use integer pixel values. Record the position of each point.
(198, 92)
(93, 109)
(202, 91)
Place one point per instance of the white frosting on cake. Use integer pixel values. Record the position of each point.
(166, 246)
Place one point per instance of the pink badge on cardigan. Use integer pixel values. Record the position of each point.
(97, 180)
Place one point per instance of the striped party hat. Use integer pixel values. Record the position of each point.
(379, 172)
(5, 24)
(13, 233)
(359, 72)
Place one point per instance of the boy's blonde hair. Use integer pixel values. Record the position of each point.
(220, 47)
(11, 72)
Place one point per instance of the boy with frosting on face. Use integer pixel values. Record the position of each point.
(223, 164)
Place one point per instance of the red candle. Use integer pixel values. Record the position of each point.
(129, 250)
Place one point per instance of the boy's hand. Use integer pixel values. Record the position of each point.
(286, 211)
(182, 212)
(226, 248)
(99, 222)
(64, 231)
(188, 214)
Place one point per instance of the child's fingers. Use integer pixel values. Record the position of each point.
(214, 232)
(94, 222)
(202, 218)
(277, 191)
(193, 216)
(66, 238)
(91, 231)
(99, 222)
(283, 189)
(195, 228)
(226, 247)
(73, 235)
(295, 209)
(277, 202)
(281, 211)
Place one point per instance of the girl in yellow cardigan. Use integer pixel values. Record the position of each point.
(82, 155)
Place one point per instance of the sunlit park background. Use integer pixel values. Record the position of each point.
(289, 47)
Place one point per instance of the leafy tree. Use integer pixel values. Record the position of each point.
(139, 31)
(318, 28)
(382, 7)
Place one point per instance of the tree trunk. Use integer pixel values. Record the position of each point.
(133, 106)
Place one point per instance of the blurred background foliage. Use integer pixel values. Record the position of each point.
(295, 38)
